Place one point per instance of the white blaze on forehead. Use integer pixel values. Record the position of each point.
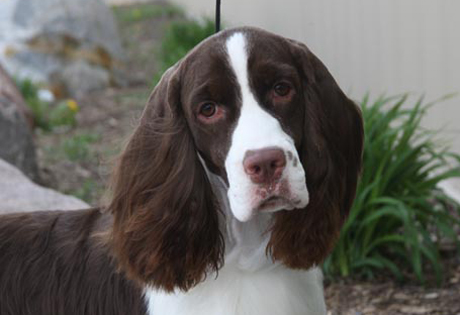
(255, 129)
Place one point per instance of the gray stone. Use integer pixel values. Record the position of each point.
(16, 141)
(19, 194)
(39, 39)
(81, 78)
(451, 187)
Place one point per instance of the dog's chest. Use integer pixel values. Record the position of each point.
(276, 291)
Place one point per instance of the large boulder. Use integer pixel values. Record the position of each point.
(48, 39)
(19, 194)
(16, 141)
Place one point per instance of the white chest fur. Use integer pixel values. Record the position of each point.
(249, 283)
(273, 291)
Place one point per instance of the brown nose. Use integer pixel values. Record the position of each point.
(264, 166)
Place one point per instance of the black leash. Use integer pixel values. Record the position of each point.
(217, 16)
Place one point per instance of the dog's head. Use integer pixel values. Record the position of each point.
(264, 114)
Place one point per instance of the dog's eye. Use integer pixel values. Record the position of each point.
(282, 89)
(208, 109)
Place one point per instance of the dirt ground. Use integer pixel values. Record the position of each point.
(386, 297)
(78, 162)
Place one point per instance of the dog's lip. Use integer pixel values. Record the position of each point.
(274, 202)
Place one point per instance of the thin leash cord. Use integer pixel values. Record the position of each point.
(217, 16)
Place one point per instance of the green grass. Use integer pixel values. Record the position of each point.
(77, 148)
(147, 11)
(180, 37)
(87, 191)
(399, 212)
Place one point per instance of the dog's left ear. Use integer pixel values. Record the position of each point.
(165, 231)
(331, 154)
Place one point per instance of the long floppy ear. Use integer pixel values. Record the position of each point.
(331, 155)
(165, 231)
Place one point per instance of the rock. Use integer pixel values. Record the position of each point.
(80, 78)
(16, 142)
(431, 296)
(415, 310)
(19, 194)
(42, 39)
(9, 89)
(369, 309)
(451, 187)
(401, 296)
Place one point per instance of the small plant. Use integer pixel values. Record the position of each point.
(39, 109)
(141, 12)
(399, 213)
(87, 190)
(179, 39)
(64, 114)
(47, 116)
(77, 147)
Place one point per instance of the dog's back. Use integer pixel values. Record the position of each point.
(57, 263)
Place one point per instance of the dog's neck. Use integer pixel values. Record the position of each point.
(245, 242)
(249, 282)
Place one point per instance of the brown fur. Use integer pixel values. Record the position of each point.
(331, 153)
(163, 224)
(166, 229)
(56, 263)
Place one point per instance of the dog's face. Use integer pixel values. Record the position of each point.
(263, 113)
(245, 108)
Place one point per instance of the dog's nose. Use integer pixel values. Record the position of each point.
(265, 165)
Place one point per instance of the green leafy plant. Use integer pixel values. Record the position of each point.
(77, 148)
(63, 114)
(180, 37)
(399, 213)
(139, 12)
(39, 109)
(47, 116)
(86, 191)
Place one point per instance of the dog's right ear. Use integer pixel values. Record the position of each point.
(331, 155)
(165, 231)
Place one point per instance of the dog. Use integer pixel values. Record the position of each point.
(229, 194)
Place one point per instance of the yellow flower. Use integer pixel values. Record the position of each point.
(72, 105)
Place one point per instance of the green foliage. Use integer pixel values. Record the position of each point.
(39, 109)
(47, 116)
(399, 213)
(180, 37)
(77, 148)
(63, 114)
(86, 191)
(146, 11)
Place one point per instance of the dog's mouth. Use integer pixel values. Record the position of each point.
(275, 203)
(274, 197)
(271, 202)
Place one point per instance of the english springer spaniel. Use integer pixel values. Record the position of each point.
(229, 194)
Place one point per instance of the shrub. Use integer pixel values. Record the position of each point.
(86, 191)
(47, 116)
(140, 12)
(180, 37)
(77, 148)
(399, 213)
(39, 109)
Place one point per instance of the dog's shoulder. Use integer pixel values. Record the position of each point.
(59, 262)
